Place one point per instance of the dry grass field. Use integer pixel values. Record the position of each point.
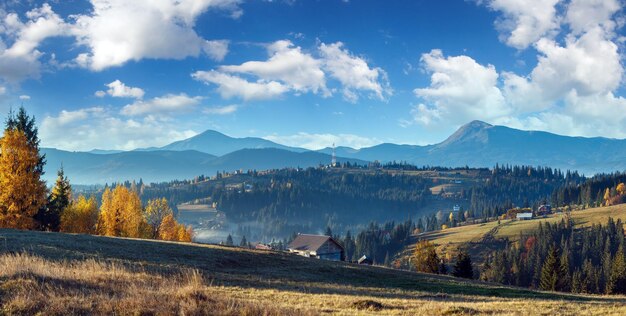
(59, 274)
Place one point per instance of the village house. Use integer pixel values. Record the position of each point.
(524, 216)
(317, 246)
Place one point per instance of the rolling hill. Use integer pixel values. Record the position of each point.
(53, 273)
(483, 237)
(164, 165)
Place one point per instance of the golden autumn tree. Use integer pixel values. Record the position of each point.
(621, 189)
(81, 216)
(155, 212)
(425, 258)
(121, 214)
(168, 230)
(22, 192)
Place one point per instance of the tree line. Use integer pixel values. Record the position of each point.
(26, 202)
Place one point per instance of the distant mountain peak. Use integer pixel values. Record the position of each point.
(474, 131)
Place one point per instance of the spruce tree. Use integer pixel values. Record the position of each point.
(550, 271)
(463, 266)
(26, 124)
(229, 240)
(244, 242)
(49, 217)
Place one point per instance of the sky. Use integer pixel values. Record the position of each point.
(117, 74)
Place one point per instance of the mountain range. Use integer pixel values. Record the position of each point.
(476, 144)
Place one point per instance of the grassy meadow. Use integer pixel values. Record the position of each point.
(482, 237)
(59, 274)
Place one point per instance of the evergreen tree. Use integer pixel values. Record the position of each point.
(244, 242)
(26, 124)
(550, 271)
(49, 217)
(328, 232)
(229, 240)
(617, 278)
(463, 266)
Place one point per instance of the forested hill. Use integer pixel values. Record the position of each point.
(284, 201)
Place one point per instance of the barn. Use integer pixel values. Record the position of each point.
(317, 246)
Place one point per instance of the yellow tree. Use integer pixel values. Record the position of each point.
(155, 212)
(22, 192)
(621, 189)
(425, 257)
(121, 214)
(607, 196)
(80, 216)
(168, 230)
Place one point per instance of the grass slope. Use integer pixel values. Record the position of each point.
(482, 238)
(53, 273)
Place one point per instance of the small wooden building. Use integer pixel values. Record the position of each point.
(365, 261)
(317, 246)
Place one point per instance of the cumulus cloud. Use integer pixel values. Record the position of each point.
(460, 88)
(24, 97)
(170, 103)
(119, 90)
(287, 64)
(19, 56)
(118, 31)
(290, 69)
(230, 86)
(583, 15)
(320, 141)
(100, 128)
(353, 72)
(3, 90)
(221, 110)
(523, 22)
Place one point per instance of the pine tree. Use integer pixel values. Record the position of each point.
(328, 232)
(463, 266)
(244, 242)
(617, 278)
(22, 192)
(26, 124)
(229, 240)
(550, 271)
(49, 217)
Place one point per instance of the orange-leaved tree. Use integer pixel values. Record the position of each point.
(22, 192)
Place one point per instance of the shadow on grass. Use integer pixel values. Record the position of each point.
(265, 269)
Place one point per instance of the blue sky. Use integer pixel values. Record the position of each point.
(117, 74)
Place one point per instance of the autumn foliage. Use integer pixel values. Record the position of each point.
(22, 192)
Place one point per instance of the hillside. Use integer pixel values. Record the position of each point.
(482, 238)
(58, 274)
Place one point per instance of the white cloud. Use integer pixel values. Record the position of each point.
(100, 94)
(460, 88)
(119, 90)
(217, 50)
(99, 128)
(170, 103)
(221, 110)
(353, 72)
(319, 141)
(232, 86)
(3, 90)
(287, 64)
(118, 31)
(583, 15)
(24, 97)
(20, 59)
(290, 69)
(525, 21)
